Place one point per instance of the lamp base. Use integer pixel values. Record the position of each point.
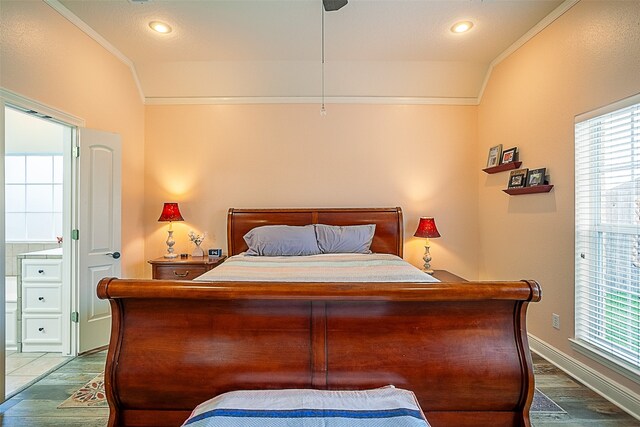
(427, 259)
(170, 242)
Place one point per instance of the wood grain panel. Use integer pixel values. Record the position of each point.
(244, 344)
(397, 340)
(388, 237)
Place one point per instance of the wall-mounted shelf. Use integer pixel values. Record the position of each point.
(503, 167)
(528, 190)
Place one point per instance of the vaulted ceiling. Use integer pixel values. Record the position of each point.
(271, 50)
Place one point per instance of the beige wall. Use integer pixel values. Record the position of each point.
(588, 58)
(47, 59)
(213, 157)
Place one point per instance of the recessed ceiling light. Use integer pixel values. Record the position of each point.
(461, 27)
(160, 27)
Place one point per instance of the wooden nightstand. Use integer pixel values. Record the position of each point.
(445, 276)
(183, 268)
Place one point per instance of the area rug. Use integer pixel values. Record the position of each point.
(541, 403)
(91, 395)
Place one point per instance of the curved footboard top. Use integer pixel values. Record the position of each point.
(525, 290)
(460, 347)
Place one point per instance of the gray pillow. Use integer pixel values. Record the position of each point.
(282, 240)
(352, 239)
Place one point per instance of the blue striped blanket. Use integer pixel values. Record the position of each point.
(316, 268)
(382, 407)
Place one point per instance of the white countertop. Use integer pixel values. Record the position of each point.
(55, 251)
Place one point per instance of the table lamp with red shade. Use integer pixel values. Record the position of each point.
(170, 213)
(428, 230)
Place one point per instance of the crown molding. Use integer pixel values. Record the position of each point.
(548, 20)
(390, 100)
(71, 17)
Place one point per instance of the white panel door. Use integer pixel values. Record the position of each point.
(99, 224)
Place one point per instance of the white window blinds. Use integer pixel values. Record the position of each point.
(607, 218)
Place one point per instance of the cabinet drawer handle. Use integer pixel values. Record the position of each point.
(186, 273)
(40, 298)
(41, 329)
(41, 271)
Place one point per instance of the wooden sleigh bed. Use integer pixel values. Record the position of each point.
(460, 347)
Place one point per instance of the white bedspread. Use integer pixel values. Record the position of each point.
(383, 407)
(317, 268)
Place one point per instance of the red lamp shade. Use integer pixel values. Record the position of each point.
(427, 228)
(170, 212)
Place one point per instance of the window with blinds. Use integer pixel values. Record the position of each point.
(607, 218)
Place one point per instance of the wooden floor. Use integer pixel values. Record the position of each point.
(584, 408)
(37, 405)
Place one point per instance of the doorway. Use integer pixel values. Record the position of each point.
(90, 247)
(37, 163)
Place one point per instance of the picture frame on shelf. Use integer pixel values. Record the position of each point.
(509, 156)
(536, 177)
(518, 178)
(494, 156)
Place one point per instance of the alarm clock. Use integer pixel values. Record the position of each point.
(215, 252)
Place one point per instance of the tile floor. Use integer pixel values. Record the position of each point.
(37, 405)
(26, 368)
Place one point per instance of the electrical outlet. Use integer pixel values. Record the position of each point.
(555, 320)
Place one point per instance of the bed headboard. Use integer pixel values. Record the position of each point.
(387, 239)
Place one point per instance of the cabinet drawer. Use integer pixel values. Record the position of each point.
(182, 272)
(42, 329)
(41, 298)
(41, 270)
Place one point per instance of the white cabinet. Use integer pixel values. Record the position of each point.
(41, 305)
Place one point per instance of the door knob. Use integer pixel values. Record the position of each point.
(115, 255)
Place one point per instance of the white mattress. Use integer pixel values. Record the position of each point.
(337, 268)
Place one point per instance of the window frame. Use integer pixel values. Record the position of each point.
(26, 184)
(596, 231)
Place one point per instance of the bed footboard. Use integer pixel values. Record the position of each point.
(460, 347)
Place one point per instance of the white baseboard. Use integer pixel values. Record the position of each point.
(617, 394)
